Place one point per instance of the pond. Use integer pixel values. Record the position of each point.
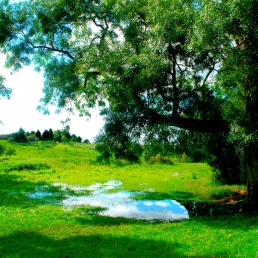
(115, 203)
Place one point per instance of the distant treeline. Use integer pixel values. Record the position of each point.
(63, 136)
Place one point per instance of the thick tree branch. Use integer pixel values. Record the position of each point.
(52, 48)
(187, 123)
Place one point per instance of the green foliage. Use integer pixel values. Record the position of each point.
(194, 144)
(75, 138)
(215, 149)
(159, 140)
(225, 161)
(5, 92)
(5, 24)
(32, 138)
(6, 152)
(65, 137)
(117, 141)
(222, 193)
(110, 148)
(19, 136)
(57, 136)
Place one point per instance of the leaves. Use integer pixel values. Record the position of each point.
(6, 152)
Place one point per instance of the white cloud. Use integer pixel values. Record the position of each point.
(121, 204)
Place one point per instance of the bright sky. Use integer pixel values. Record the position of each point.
(20, 111)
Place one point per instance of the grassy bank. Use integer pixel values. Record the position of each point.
(35, 229)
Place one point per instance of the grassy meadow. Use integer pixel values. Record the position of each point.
(33, 228)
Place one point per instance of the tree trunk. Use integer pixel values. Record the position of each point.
(251, 169)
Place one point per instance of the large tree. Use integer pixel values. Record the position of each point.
(189, 64)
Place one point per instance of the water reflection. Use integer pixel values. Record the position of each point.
(116, 204)
(196, 208)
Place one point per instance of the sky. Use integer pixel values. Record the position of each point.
(20, 110)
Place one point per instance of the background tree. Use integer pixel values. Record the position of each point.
(65, 134)
(239, 85)
(57, 136)
(51, 134)
(38, 134)
(29, 133)
(160, 140)
(75, 138)
(19, 136)
(117, 141)
(45, 135)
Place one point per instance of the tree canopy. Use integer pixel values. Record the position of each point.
(188, 63)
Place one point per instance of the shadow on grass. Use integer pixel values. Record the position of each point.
(32, 244)
(176, 195)
(238, 222)
(98, 220)
(13, 191)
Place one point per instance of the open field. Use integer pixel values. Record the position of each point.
(33, 228)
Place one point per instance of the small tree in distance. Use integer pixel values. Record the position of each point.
(19, 136)
(51, 134)
(6, 153)
(38, 134)
(45, 135)
(57, 136)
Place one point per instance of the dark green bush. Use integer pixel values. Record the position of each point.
(27, 166)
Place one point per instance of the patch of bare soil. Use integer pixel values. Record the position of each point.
(238, 196)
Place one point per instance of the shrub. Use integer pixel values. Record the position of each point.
(161, 160)
(6, 153)
(123, 148)
(185, 158)
(27, 166)
(32, 138)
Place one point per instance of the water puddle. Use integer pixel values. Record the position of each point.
(115, 204)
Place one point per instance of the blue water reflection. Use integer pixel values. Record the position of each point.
(121, 203)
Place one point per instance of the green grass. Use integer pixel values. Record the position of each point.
(35, 229)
